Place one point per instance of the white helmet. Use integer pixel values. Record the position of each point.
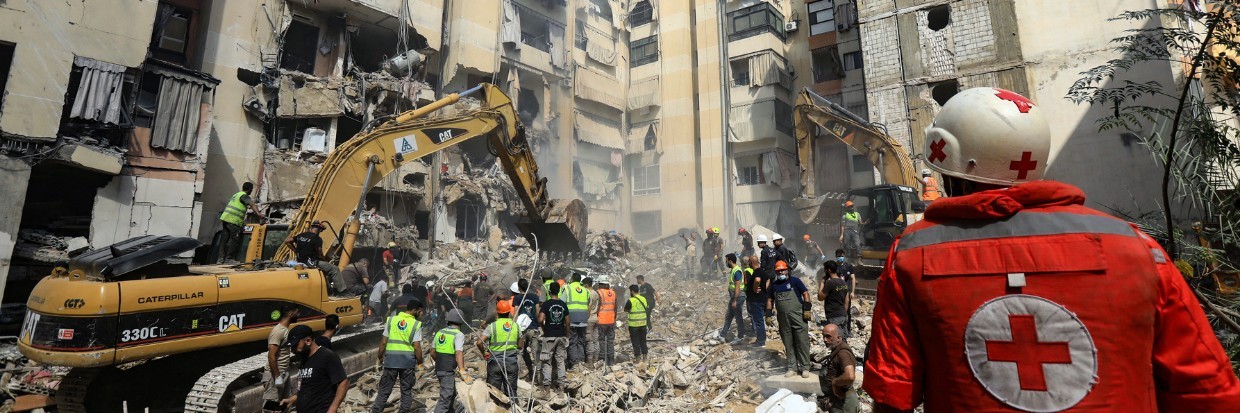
(602, 279)
(777, 237)
(514, 288)
(925, 172)
(760, 238)
(524, 321)
(989, 135)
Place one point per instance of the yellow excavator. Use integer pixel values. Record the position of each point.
(885, 209)
(140, 331)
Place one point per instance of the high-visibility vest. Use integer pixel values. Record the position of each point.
(578, 297)
(234, 212)
(931, 190)
(399, 350)
(504, 334)
(445, 349)
(637, 312)
(606, 307)
(732, 278)
(547, 289)
(852, 216)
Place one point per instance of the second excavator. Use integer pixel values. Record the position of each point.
(129, 322)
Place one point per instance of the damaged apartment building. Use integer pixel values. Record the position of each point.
(104, 129)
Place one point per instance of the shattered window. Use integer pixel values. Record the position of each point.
(826, 64)
(642, 14)
(300, 42)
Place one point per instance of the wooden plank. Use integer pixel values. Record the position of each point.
(28, 402)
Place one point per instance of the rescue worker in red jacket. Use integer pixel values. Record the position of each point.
(1011, 295)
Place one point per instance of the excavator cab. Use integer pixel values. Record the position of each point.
(261, 241)
(886, 210)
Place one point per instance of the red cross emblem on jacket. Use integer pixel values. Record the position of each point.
(1023, 299)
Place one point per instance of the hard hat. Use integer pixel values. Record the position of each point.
(391, 245)
(514, 288)
(760, 238)
(777, 237)
(806, 237)
(848, 203)
(989, 135)
(925, 172)
(456, 316)
(740, 231)
(483, 276)
(317, 224)
(503, 307)
(602, 279)
(781, 265)
(524, 321)
(430, 284)
(715, 230)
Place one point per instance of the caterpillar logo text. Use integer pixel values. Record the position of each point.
(75, 303)
(234, 322)
(344, 309)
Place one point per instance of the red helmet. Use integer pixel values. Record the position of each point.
(740, 231)
(806, 237)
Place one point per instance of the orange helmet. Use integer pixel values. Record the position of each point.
(503, 307)
(781, 265)
(848, 203)
(806, 237)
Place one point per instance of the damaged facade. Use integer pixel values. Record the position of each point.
(104, 129)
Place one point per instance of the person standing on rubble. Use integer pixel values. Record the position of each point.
(746, 245)
(500, 342)
(465, 301)
(850, 230)
(554, 347)
(783, 253)
(308, 248)
(1012, 295)
(592, 322)
(378, 298)
(449, 360)
(606, 321)
(391, 261)
(400, 352)
(767, 257)
(755, 296)
(639, 314)
(275, 373)
(578, 318)
(839, 372)
(652, 298)
(233, 221)
(736, 301)
(790, 299)
(526, 305)
(712, 254)
(814, 253)
(833, 292)
(484, 296)
(690, 253)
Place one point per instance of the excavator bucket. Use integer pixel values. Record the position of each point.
(564, 230)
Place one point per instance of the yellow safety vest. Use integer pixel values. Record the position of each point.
(637, 313)
(399, 350)
(852, 216)
(234, 212)
(504, 334)
(578, 297)
(731, 279)
(445, 349)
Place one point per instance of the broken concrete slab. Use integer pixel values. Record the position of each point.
(798, 384)
(91, 158)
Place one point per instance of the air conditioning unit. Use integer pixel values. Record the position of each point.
(842, 26)
(791, 26)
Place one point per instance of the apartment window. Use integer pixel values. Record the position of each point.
(301, 41)
(579, 35)
(6, 61)
(534, 30)
(642, 14)
(754, 20)
(174, 30)
(938, 18)
(740, 72)
(601, 8)
(783, 117)
(647, 225)
(852, 61)
(646, 180)
(750, 175)
(821, 17)
(643, 51)
(826, 64)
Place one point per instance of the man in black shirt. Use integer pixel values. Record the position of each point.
(755, 298)
(308, 247)
(323, 382)
(406, 295)
(554, 319)
(646, 290)
(833, 292)
(331, 324)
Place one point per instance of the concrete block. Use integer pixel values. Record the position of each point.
(91, 158)
(797, 384)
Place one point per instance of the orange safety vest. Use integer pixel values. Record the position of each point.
(931, 191)
(607, 307)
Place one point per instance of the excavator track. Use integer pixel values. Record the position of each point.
(237, 386)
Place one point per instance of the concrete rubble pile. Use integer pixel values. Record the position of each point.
(22, 378)
(689, 369)
(39, 245)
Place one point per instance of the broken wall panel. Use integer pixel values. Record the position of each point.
(309, 97)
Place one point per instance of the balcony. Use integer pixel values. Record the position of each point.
(755, 20)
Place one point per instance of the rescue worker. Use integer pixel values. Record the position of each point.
(746, 245)
(500, 342)
(638, 313)
(400, 352)
(791, 298)
(592, 323)
(690, 252)
(391, 263)
(526, 305)
(783, 253)
(814, 253)
(833, 292)
(845, 270)
(755, 295)
(712, 246)
(233, 220)
(308, 248)
(850, 230)
(553, 348)
(1011, 295)
(578, 301)
(929, 186)
(449, 360)
(736, 301)
(465, 301)
(606, 321)
(839, 372)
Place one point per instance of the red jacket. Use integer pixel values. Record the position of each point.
(1023, 299)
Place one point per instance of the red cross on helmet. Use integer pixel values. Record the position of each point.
(989, 135)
